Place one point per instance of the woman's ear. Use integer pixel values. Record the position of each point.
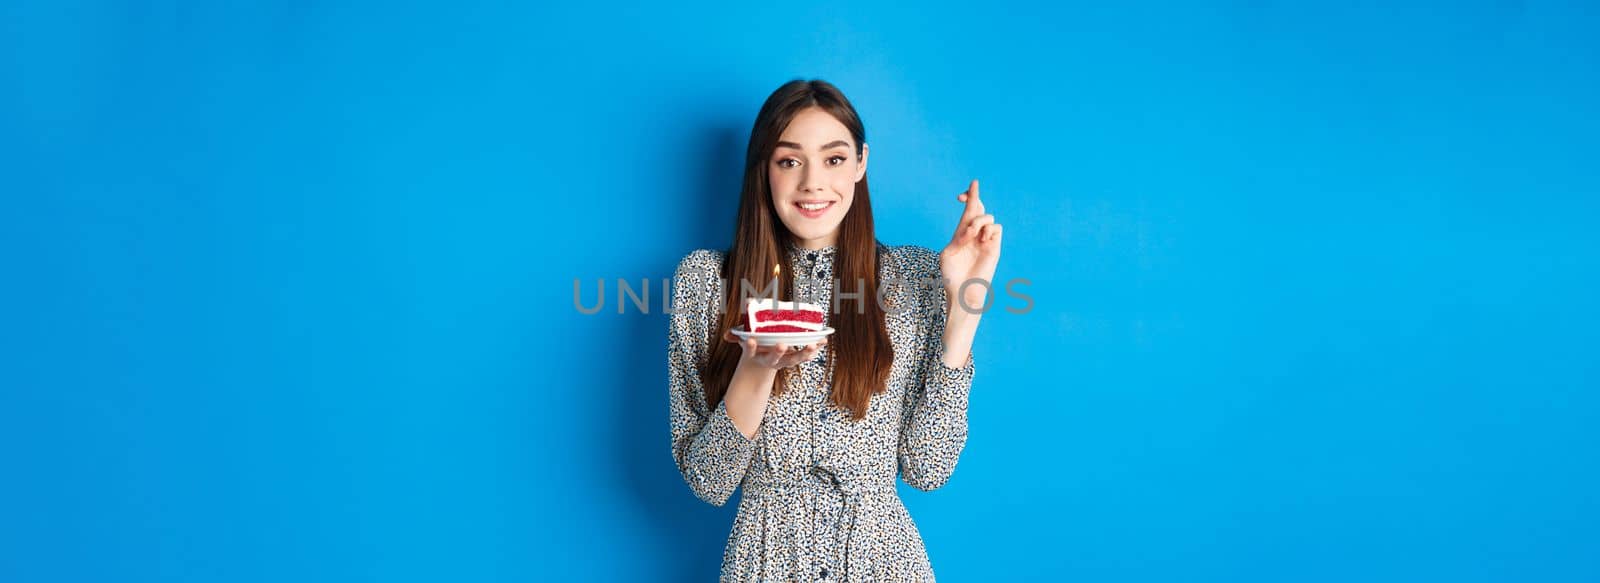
(861, 166)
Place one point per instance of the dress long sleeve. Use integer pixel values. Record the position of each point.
(933, 427)
(711, 453)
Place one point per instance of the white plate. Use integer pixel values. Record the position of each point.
(787, 338)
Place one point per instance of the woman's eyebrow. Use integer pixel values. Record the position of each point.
(832, 144)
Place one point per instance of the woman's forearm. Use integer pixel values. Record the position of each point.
(747, 397)
(959, 329)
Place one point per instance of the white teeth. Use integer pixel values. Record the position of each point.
(816, 206)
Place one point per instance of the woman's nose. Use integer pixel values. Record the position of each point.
(807, 184)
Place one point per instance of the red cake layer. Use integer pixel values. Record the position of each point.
(768, 324)
(781, 328)
(789, 316)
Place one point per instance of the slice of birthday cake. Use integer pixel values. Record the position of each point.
(769, 315)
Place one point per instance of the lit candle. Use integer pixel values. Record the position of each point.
(774, 285)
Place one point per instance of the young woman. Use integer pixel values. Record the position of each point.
(816, 436)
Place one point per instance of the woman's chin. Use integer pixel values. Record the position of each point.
(811, 234)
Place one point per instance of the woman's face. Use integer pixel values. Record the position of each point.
(813, 175)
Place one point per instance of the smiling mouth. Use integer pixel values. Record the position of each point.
(813, 208)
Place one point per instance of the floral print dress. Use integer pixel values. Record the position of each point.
(819, 500)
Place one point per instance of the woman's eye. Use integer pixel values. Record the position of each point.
(839, 158)
(787, 163)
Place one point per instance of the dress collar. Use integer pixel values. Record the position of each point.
(798, 253)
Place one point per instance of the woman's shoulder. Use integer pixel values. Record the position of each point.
(701, 262)
(913, 260)
(697, 279)
(700, 270)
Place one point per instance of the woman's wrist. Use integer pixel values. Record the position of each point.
(750, 370)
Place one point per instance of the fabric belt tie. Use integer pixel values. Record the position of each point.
(851, 493)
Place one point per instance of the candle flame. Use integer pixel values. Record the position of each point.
(775, 269)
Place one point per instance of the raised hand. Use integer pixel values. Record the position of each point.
(973, 252)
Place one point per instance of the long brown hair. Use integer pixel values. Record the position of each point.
(859, 349)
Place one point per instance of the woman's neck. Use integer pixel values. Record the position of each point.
(816, 244)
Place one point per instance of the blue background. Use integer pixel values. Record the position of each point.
(289, 289)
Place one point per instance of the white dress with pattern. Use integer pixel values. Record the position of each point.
(819, 500)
